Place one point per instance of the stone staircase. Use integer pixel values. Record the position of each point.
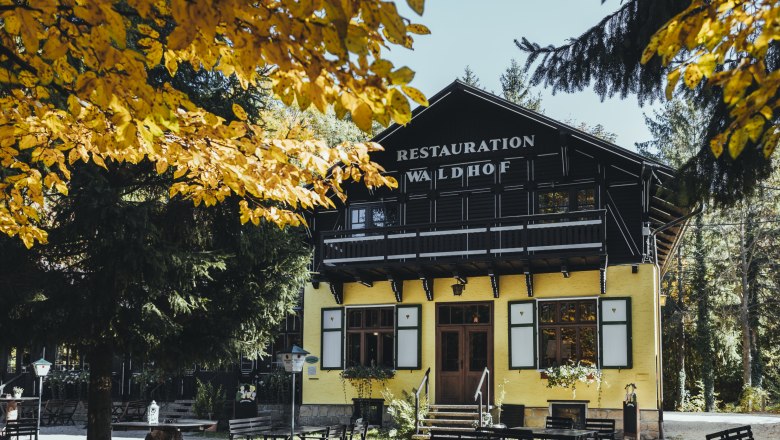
(454, 418)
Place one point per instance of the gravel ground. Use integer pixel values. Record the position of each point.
(695, 426)
(78, 432)
(677, 426)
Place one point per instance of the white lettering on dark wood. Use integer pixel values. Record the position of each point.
(460, 148)
(456, 172)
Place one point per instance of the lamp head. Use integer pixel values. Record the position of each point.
(293, 359)
(41, 367)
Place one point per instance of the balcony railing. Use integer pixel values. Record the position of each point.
(521, 237)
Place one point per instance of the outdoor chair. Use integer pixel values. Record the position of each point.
(330, 432)
(605, 428)
(559, 423)
(740, 433)
(69, 408)
(357, 431)
(51, 411)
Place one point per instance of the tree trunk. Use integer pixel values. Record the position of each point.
(744, 312)
(681, 377)
(704, 336)
(753, 271)
(99, 414)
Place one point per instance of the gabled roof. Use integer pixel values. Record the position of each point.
(588, 138)
(664, 212)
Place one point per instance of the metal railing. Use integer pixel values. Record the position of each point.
(478, 393)
(423, 384)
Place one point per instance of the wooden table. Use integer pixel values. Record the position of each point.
(165, 430)
(563, 434)
(284, 433)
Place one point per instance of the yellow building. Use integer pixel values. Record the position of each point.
(514, 244)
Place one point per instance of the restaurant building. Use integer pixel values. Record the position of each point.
(513, 243)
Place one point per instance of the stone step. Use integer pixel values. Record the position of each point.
(436, 422)
(474, 414)
(448, 428)
(438, 407)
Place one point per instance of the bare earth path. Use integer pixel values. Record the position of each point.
(695, 426)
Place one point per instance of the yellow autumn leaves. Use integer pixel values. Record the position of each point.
(76, 72)
(725, 42)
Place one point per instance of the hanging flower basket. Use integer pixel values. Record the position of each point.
(567, 376)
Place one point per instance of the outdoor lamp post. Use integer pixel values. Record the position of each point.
(41, 369)
(293, 360)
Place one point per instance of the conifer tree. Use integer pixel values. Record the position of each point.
(470, 78)
(608, 57)
(515, 87)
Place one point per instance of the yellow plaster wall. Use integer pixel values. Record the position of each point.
(523, 386)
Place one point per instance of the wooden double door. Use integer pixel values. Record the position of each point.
(464, 347)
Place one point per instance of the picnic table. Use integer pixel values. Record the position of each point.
(563, 434)
(166, 430)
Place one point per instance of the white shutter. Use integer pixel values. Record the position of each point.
(615, 333)
(522, 335)
(407, 337)
(332, 339)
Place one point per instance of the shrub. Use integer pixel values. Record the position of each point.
(402, 412)
(752, 399)
(209, 400)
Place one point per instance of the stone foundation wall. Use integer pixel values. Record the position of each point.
(321, 415)
(648, 419)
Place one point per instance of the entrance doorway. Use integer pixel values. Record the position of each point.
(464, 347)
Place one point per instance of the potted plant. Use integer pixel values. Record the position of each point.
(18, 392)
(567, 376)
(362, 378)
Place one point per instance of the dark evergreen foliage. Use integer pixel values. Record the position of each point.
(704, 318)
(470, 78)
(607, 57)
(130, 271)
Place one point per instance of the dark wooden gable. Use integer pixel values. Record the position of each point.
(471, 157)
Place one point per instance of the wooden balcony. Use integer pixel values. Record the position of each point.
(535, 243)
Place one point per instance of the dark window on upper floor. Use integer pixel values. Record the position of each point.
(566, 200)
(373, 215)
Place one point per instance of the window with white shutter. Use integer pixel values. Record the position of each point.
(615, 333)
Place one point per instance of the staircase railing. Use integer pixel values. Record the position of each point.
(478, 393)
(423, 385)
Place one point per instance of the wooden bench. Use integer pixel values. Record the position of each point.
(605, 427)
(507, 433)
(251, 427)
(445, 434)
(740, 433)
(21, 428)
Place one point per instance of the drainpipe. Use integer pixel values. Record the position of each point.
(659, 378)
